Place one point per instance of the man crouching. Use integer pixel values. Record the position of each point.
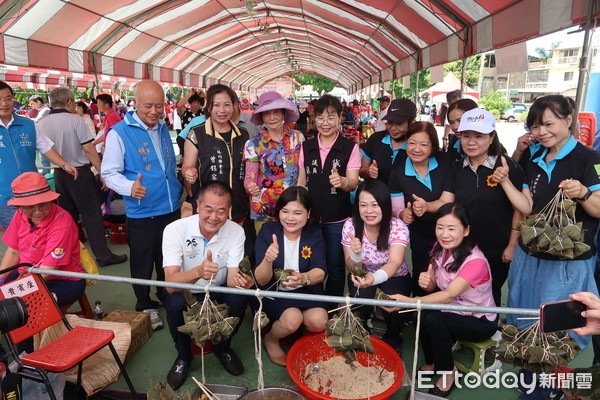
(195, 249)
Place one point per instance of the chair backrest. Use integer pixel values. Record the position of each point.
(41, 307)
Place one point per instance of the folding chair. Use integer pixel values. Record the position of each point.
(64, 353)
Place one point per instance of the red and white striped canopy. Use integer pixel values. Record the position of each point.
(246, 43)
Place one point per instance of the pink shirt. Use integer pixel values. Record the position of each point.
(373, 259)
(474, 270)
(353, 162)
(54, 242)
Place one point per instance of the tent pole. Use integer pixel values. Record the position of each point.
(417, 97)
(584, 62)
(462, 74)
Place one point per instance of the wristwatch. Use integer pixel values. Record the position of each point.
(307, 283)
(585, 196)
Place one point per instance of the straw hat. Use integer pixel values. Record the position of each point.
(31, 188)
(273, 101)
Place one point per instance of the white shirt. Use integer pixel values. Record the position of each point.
(184, 246)
(380, 125)
(42, 143)
(290, 258)
(113, 161)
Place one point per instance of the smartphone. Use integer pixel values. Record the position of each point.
(562, 315)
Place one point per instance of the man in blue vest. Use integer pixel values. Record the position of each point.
(139, 164)
(19, 141)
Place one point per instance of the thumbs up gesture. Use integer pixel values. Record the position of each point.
(335, 179)
(137, 190)
(501, 173)
(272, 251)
(407, 214)
(253, 188)
(427, 278)
(208, 268)
(373, 170)
(419, 206)
(355, 244)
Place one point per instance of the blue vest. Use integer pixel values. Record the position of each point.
(17, 153)
(163, 188)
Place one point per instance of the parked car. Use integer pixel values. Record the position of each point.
(512, 114)
(519, 105)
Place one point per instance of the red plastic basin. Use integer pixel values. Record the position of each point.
(312, 348)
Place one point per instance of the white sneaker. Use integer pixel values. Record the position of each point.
(155, 321)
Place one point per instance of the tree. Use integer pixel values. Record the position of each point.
(397, 89)
(495, 102)
(319, 83)
(546, 54)
(471, 72)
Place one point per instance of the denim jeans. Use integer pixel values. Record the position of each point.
(336, 269)
(6, 215)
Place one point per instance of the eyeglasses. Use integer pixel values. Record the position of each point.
(8, 99)
(36, 207)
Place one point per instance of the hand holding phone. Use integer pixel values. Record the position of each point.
(592, 315)
(562, 315)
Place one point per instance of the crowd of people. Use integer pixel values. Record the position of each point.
(320, 207)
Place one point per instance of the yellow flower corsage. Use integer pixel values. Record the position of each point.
(306, 252)
(490, 182)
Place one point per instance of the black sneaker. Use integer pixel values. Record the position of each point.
(178, 373)
(231, 362)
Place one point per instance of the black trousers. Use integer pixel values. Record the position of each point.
(441, 329)
(175, 304)
(81, 197)
(420, 247)
(499, 274)
(394, 321)
(145, 245)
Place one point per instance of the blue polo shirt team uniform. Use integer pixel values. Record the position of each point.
(379, 147)
(405, 182)
(540, 277)
(18, 144)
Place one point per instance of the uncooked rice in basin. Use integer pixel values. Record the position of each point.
(337, 379)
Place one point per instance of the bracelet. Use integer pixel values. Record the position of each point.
(379, 277)
(516, 229)
(356, 257)
(63, 166)
(347, 182)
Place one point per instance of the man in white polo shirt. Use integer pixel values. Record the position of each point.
(195, 249)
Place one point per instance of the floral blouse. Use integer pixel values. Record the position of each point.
(278, 169)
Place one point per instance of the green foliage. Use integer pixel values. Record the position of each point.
(546, 54)
(523, 116)
(397, 90)
(319, 83)
(471, 72)
(495, 102)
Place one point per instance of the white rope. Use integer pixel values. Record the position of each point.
(416, 352)
(202, 358)
(258, 343)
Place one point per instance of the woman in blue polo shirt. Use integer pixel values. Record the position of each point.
(422, 174)
(294, 243)
(470, 184)
(383, 150)
(562, 163)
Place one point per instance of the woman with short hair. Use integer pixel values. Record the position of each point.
(272, 156)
